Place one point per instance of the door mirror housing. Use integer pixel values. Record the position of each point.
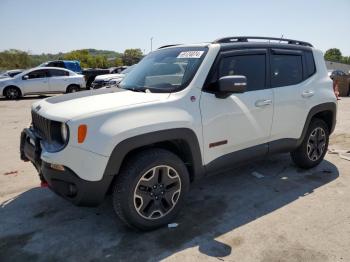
(228, 85)
(26, 77)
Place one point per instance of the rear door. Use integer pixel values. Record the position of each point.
(240, 121)
(36, 82)
(291, 93)
(58, 80)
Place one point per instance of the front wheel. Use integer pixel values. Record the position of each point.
(314, 146)
(12, 93)
(150, 189)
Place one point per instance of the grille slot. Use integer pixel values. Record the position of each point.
(42, 126)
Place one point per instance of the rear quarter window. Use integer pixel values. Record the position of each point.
(310, 64)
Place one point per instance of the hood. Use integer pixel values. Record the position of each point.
(109, 76)
(5, 81)
(3, 77)
(66, 107)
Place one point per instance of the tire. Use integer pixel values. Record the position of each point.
(137, 202)
(12, 93)
(73, 89)
(314, 146)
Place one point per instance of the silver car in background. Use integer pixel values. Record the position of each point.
(43, 80)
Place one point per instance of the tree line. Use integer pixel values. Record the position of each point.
(89, 58)
(92, 58)
(335, 55)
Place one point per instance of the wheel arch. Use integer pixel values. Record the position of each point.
(181, 141)
(5, 88)
(325, 111)
(72, 85)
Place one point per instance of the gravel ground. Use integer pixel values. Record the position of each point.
(287, 215)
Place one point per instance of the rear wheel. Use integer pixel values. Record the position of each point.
(12, 92)
(150, 189)
(73, 89)
(314, 146)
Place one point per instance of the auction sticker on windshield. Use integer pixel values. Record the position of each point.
(190, 54)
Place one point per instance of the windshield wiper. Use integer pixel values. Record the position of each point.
(136, 89)
(152, 89)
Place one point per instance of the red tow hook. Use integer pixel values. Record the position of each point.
(44, 184)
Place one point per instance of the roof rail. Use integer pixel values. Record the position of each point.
(235, 39)
(165, 46)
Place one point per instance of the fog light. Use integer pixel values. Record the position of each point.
(57, 167)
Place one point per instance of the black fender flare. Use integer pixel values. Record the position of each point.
(124, 147)
(330, 106)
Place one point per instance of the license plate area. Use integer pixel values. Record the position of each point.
(30, 147)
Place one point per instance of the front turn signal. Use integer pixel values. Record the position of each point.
(82, 132)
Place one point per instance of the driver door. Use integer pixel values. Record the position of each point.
(237, 127)
(36, 82)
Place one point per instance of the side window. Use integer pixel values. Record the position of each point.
(253, 67)
(37, 74)
(56, 72)
(310, 64)
(286, 70)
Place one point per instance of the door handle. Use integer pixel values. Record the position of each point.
(307, 93)
(264, 102)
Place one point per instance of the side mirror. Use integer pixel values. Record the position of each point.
(228, 85)
(26, 77)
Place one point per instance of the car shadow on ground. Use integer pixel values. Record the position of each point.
(38, 225)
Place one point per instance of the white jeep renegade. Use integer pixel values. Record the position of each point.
(183, 112)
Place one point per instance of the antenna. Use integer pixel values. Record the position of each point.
(281, 38)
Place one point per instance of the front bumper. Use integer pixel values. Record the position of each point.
(76, 190)
(65, 183)
(99, 84)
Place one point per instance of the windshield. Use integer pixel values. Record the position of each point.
(165, 70)
(12, 74)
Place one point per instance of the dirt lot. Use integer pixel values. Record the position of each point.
(288, 215)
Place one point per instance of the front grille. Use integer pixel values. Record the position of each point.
(42, 126)
(99, 84)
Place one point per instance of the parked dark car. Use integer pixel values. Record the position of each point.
(72, 65)
(91, 73)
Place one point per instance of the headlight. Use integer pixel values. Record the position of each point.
(64, 132)
(112, 82)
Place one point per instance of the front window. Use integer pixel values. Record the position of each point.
(165, 70)
(42, 73)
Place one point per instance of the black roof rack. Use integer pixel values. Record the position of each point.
(235, 39)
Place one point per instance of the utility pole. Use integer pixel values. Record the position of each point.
(151, 43)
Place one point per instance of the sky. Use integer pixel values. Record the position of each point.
(48, 26)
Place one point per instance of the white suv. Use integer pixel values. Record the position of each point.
(43, 80)
(183, 112)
